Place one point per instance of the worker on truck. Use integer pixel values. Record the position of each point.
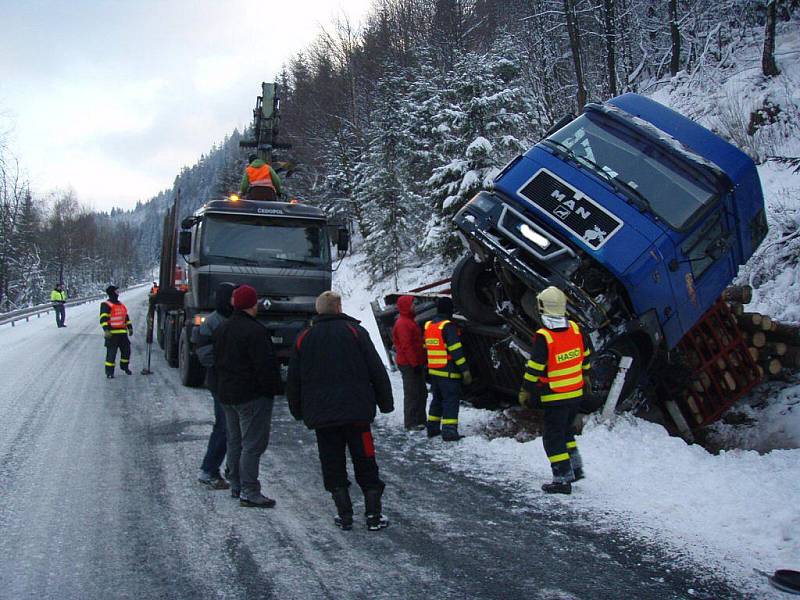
(555, 376)
(260, 181)
(117, 327)
(447, 369)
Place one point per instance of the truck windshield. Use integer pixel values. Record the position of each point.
(264, 241)
(671, 193)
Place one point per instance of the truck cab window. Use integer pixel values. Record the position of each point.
(264, 241)
(673, 194)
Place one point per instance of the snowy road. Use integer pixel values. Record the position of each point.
(98, 499)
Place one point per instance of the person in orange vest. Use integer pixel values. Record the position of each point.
(447, 370)
(260, 181)
(117, 327)
(555, 376)
(154, 289)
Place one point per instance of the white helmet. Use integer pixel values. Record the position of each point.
(552, 302)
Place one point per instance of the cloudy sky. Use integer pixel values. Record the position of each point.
(113, 97)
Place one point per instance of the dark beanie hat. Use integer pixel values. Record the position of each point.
(244, 297)
(444, 306)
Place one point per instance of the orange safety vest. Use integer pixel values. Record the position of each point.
(260, 176)
(154, 290)
(438, 356)
(565, 353)
(118, 318)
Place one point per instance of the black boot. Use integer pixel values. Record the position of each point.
(344, 508)
(557, 487)
(372, 509)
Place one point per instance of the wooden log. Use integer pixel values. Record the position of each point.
(736, 308)
(729, 381)
(754, 353)
(766, 323)
(775, 348)
(772, 366)
(758, 339)
(784, 332)
(738, 293)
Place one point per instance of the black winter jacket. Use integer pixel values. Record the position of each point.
(244, 360)
(335, 375)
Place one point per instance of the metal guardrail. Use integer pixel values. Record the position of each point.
(42, 309)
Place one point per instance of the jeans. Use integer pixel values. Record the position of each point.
(415, 395)
(217, 441)
(332, 442)
(61, 314)
(248, 427)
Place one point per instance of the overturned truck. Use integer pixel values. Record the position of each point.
(642, 217)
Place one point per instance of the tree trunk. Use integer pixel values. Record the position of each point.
(675, 34)
(768, 66)
(575, 47)
(610, 35)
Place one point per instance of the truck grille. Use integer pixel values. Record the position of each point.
(571, 209)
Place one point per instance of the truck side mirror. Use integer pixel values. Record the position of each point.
(343, 240)
(185, 242)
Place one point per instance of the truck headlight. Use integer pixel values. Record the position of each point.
(198, 320)
(529, 234)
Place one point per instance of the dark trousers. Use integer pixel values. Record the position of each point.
(248, 428)
(357, 437)
(559, 438)
(445, 402)
(117, 341)
(61, 314)
(415, 395)
(217, 441)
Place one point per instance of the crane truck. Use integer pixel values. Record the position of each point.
(642, 217)
(282, 249)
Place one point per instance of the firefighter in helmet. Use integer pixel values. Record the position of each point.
(555, 377)
(447, 371)
(260, 181)
(117, 327)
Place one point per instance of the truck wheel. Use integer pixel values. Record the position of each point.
(191, 370)
(473, 291)
(604, 368)
(170, 343)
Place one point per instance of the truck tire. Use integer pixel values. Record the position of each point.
(192, 372)
(604, 368)
(473, 294)
(170, 343)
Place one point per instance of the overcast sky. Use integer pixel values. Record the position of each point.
(112, 98)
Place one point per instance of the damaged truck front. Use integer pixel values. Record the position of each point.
(641, 216)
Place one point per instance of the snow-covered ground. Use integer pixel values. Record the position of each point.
(733, 511)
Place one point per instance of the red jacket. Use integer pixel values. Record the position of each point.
(407, 336)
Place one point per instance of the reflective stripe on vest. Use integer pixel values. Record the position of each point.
(260, 176)
(564, 363)
(435, 346)
(119, 316)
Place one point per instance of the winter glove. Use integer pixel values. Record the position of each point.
(130, 332)
(107, 335)
(524, 398)
(467, 378)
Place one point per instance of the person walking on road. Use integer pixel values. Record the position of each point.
(58, 298)
(336, 379)
(555, 376)
(410, 359)
(117, 328)
(448, 370)
(260, 181)
(203, 338)
(247, 381)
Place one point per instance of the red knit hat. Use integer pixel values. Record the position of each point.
(244, 297)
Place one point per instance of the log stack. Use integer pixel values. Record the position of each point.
(773, 345)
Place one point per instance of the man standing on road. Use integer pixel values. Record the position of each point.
(555, 376)
(335, 381)
(410, 359)
(116, 328)
(448, 369)
(247, 381)
(58, 297)
(203, 338)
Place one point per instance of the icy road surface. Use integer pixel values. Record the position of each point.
(98, 499)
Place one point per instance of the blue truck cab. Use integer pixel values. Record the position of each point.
(641, 216)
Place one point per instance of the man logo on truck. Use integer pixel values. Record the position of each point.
(567, 207)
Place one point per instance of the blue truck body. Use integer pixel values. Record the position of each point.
(639, 214)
